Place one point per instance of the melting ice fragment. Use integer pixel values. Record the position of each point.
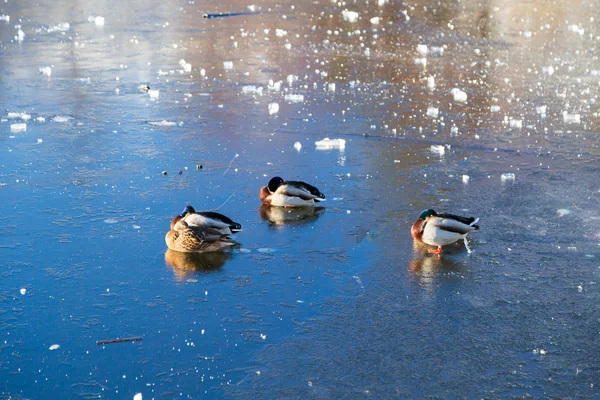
(375, 20)
(422, 49)
(438, 149)
(60, 119)
(162, 123)
(562, 212)
(327, 143)
(433, 112)
(273, 108)
(187, 67)
(507, 177)
(465, 179)
(54, 347)
(23, 291)
(154, 93)
(294, 98)
(297, 146)
(5, 18)
(45, 71)
(228, 64)
(459, 95)
(350, 16)
(431, 82)
(99, 21)
(571, 118)
(137, 396)
(18, 127)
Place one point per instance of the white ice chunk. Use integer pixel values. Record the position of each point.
(99, 21)
(515, 123)
(459, 95)
(60, 119)
(571, 118)
(381, 3)
(298, 146)
(25, 117)
(288, 46)
(421, 61)
(507, 176)
(251, 89)
(465, 179)
(495, 108)
(273, 108)
(331, 144)
(576, 29)
(431, 82)
(40, 119)
(18, 127)
(23, 291)
(541, 109)
(45, 71)
(5, 18)
(433, 112)
(422, 49)
(280, 32)
(154, 93)
(438, 149)
(187, 67)
(20, 36)
(331, 86)
(274, 86)
(164, 122)
(562, 212)
(350, 16)
(294, 98)
(137, 396)
(291, 79)
(548, 70)
(436, 51)
(375, 20)
(54, 347)
(228, 64)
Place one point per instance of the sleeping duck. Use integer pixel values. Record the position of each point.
(442, 229)
(195, 239)
(282, 193)
(210, 219)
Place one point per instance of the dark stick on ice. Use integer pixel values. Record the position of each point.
(119, 340)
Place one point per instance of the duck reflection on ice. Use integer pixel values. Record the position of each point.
(185, 264)
(278, 216)
(426, 265)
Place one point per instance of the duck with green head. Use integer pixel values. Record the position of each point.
(442, 229)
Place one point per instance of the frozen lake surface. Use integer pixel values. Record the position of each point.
(115, 115)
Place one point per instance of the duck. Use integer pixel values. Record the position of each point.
(210, 219)
(442, 229)
(187, 238)
(280, 193)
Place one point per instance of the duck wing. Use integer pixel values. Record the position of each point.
(302, 190)
(212, 219)
(464, 220)
(452, 225)
(204, 234)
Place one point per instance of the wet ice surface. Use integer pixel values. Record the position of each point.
(329, 304)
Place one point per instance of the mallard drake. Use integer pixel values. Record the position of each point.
(442, 229)
(282, 193)
(210, 219)
(195, 239)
